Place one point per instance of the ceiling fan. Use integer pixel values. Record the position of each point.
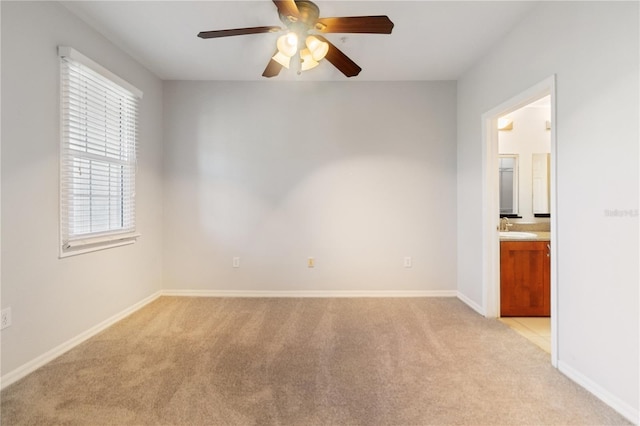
(303, 23)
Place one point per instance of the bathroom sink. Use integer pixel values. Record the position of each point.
(517, 235)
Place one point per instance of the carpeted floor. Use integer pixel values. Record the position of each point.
(210, 361)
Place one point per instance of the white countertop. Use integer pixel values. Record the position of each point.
(525, 236)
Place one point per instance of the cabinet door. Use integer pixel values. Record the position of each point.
(524, 279)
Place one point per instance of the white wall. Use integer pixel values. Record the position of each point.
(54, 300)
(593, 48)
(357, 175)
(529, 136)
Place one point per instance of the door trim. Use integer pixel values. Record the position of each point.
(490, 204)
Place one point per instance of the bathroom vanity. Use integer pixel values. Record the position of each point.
(524, 274)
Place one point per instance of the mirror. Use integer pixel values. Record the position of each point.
(524, 146)
(540, 184)
(508, 182)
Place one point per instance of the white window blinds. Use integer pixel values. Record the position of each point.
(98, 155)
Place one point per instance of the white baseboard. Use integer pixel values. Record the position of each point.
(299, 293)
(473, 305)
(25, 369)
(605, 396)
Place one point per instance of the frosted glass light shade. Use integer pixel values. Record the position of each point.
(307, 60)
(317, 48)
(282, 59)
(505, 123)
(288, 44)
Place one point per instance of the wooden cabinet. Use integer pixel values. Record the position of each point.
(524, 279)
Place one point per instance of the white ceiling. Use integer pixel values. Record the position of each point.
(431, 40)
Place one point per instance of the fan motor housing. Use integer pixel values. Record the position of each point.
(308, 15)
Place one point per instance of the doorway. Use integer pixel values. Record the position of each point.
(491, 202)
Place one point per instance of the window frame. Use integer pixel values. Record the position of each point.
(85, 242)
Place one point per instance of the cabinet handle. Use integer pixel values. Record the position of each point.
(548, 250)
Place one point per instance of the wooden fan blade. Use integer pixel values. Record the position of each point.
(340, 60)
(273, 68)
(237, 31)
(287, 8)
(356, 24)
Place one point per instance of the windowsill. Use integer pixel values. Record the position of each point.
(96, 244)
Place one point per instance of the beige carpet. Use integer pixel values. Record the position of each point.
(209, 361)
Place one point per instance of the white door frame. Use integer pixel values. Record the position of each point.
(491, 208)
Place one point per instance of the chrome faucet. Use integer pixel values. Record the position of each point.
(504, 224)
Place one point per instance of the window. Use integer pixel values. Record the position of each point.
(98, 156)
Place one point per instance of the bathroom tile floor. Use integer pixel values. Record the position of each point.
(535, 329)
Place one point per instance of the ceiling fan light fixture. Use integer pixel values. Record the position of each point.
(317, 48)
(288, 44)
(300, 17)
(307, 60)
(505, 123)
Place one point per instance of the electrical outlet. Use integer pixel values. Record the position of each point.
(5, 318)
(311, 262)
(236, 262)
(407, 262)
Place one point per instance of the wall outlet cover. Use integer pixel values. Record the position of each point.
(5, 318)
